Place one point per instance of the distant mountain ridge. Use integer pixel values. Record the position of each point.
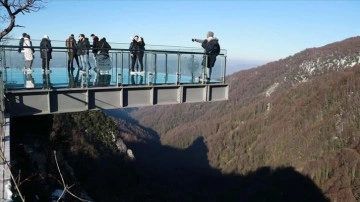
(301, 111)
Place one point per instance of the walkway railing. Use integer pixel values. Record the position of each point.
(160, 67)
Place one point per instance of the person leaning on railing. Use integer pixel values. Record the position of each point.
(103, 47)
(102, 53)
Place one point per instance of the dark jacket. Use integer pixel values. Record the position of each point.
(134, 47)
(87, 45)
(103, 46)
(141, 45)
(45, 48)
(21, 43)
(94, 46)
(137, 47)
(83, 47)
(71, 45)
(212, 49)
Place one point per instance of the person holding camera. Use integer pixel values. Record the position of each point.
(211, 49)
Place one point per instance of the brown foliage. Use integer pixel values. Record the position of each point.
(297, 124)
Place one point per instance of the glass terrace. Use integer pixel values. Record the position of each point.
(162, 65)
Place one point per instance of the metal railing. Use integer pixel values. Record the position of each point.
(160, 67)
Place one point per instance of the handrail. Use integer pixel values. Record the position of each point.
(124, 49)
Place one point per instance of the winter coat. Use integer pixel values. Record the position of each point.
(28, 52)
(87, 43)
(94, 46)
(141, 45)
(83, 47)
(103, 46)
(134, 47)
(21, 42)
(45, 49)
(71, 45)
(212, 49)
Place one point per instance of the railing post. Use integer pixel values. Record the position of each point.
(2, 97)
(119, 74)
(145, 62)
(152, 74)
(178, 73)
(166, 68)
(224, 74)
(192, 68)
(155, 68)
(3, 67)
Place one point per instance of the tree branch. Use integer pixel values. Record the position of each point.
(66, 188)
(15, 7)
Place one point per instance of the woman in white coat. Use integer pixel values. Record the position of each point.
(28, 52)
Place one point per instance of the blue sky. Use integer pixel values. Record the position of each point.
(256, 30)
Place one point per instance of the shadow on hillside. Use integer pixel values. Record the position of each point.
(163, 173)
(189, 173)
(123, 114)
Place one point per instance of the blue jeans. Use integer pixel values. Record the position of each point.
(84, 62)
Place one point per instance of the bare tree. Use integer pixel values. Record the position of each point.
(10, 8)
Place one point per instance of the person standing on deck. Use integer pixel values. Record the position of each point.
(83, 47)
(45, 52)
(72, 52)
(28, 51)
(211, 49)
(94, 46)
(140, 53)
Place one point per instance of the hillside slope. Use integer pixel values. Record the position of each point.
(301, 111)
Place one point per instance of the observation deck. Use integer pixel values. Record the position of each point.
(171, 75)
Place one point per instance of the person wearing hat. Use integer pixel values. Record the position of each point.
(45, 52)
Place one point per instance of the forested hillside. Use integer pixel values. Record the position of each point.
(301, 111)
(289, 132)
